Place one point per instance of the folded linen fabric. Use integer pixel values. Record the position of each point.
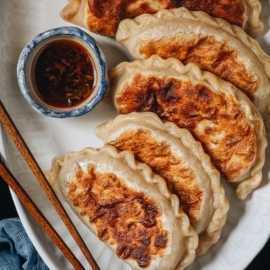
(16, 249)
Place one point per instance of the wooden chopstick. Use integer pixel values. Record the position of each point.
(33, 165)
(37, 214)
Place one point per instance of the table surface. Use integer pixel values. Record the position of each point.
(7, 210)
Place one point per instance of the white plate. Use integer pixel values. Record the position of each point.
(247, 226)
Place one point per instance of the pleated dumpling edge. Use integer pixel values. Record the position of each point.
(118, 198)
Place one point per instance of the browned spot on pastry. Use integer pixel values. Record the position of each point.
(180, 179)
(122, 216)
(105, 15)
(220, 59)
(221, 127)
(231, 11)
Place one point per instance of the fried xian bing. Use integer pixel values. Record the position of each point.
(127, 206)
(211, 43)
(172, 153)
(103, 17)
(217, 114)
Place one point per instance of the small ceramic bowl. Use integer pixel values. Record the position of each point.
(27, 78)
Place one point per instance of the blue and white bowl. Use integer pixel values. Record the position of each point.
(35, 47)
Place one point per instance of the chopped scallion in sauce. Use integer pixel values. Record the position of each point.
(64, 74)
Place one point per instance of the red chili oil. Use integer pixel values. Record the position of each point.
(64, 74)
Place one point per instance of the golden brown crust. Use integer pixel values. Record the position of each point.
(181, 161)
(168, 165)
(231, 11)
(86, 179)
(126, 218)
(220, 116)
(103, 17)
(213, 44)
(230, 141)
(221, 59)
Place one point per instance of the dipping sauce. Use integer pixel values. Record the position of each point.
(64, 74)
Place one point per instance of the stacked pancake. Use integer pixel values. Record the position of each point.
(193, 106)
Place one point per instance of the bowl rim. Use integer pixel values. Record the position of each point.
(72, 31)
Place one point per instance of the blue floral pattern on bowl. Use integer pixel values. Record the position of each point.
(101, 70)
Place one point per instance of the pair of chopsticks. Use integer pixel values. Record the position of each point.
(31, 206)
